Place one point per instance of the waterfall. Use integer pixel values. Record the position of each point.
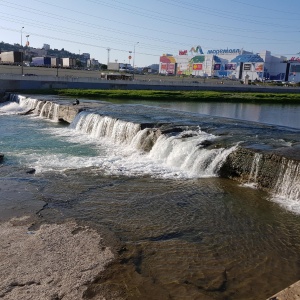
(98, 126)
(287, 187)
(252, 179)
(28, 103)
(39, 107)
(49, 110)
(187, 152)
(55, 112)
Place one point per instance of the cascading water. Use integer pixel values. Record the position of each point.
(98, 126)
(252, 179)
(287, 188)
(185, 152)
(48, 109)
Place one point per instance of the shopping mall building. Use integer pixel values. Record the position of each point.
(231, 63)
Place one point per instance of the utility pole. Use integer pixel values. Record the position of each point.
(134, 59)
(22, 50)
(108, 50)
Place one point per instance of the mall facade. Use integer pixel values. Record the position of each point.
(231, 63)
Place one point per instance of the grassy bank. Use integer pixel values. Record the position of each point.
(293, 98)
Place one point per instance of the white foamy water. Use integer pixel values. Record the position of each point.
(22, 105)
(252, 180)
(287, 189)
(115, 145)
(188, 154)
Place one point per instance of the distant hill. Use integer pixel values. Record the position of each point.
(5, 47)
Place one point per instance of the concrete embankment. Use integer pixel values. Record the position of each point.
(19, 83)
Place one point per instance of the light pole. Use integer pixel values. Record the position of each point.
(134, 57)
(129, 57)
(22, 49)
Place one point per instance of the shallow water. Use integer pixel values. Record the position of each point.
(190, 237)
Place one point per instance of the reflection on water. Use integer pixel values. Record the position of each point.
(279, 114)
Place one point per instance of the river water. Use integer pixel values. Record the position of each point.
(276, 114)
(188, 235)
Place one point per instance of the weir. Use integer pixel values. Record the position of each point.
(265, 157)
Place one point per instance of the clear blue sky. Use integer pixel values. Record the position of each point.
(152, 27)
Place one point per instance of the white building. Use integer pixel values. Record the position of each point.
(230, 63)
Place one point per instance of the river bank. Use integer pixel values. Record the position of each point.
(197, 96)
(42, 258)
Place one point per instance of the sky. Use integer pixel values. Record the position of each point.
(151, 28)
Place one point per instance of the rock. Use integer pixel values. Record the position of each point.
(30, 171)
(1, 157)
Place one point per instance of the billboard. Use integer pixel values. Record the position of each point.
(167, 68)
(197, 67)
(230, 67)
(217, 67)
(247, 67)
(259, 67)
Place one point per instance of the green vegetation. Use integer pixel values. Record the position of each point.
(215, 96)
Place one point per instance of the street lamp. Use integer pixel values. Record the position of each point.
(134, 57)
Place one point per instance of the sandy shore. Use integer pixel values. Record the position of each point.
(56, 261)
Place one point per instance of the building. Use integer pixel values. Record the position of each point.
(92, 63)
(230, 63)
(293, 69)
(46, 47)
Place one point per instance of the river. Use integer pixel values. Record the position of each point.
(186, 234)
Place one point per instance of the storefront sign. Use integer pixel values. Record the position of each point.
(197, 67)
(247, 67)
(297, 59)
(198, 49)
(217, 67)
(230, 67)
(224, 51)
(183, 52)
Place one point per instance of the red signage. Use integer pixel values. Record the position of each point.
(197, 67)
(295, 59)
(183, 52)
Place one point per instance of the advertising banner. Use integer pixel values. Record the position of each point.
(197, 67)
(217, 67)
(295, 69)
(247, 67)
(167, 68)
(230, 67)
(259, 67)
(164, 67)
